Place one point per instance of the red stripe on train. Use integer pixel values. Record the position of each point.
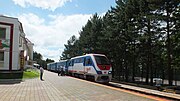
(104, 67)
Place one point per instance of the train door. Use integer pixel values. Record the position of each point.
(66, 67)
(89, 69)
(88, 64)
(70, 67)
(84, 61)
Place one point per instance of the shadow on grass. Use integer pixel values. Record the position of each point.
(11, 77)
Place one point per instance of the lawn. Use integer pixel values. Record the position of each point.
(30, 73)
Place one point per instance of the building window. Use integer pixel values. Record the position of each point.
(2, 33)
(1, 55)
(20, 42)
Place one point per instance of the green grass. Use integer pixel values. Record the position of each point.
(30, 73)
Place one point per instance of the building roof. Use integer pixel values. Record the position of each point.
(7, 17)
(28, 41)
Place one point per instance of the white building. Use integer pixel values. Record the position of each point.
(16, 51)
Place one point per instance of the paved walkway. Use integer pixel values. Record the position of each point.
(56, 88)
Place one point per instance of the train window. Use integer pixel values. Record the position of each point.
(75, 61)
(101, 60)
(71, 63)
(88, 62)
(79, 60)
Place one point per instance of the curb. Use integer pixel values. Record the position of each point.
(148, 91)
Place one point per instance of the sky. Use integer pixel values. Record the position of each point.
(50, 23)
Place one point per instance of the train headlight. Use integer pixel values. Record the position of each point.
(109, 72)
(99, 72)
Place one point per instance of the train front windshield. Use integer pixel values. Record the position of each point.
(101, 60)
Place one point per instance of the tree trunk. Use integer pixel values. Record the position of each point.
(147, 71)
(170, 71)
(150, 52)
(133, 68)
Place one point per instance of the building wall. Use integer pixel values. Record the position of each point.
(12, 53)
(15, 57)
(30, 53)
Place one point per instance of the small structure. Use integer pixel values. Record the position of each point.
(157, 81)
(36, 65)
(16, 50)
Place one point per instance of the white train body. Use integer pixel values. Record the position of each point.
(91, 66)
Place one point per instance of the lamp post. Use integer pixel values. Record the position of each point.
(112, 67)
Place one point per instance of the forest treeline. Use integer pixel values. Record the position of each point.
(38, 58)
(141, 38)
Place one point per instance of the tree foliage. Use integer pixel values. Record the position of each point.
(39, 59)
(140, 37)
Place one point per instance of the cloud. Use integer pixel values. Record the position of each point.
(50, 36)
(44, 4)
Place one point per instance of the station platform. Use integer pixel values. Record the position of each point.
(59, 88)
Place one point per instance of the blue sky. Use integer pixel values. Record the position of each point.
(50, 23)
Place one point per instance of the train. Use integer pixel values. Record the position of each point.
(95, 67)
(55, 66)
